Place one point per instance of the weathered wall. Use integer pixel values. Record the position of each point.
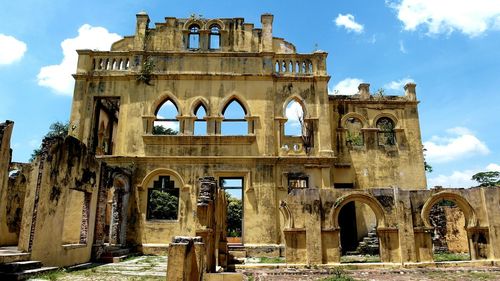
(64, 167)
(403, 222)
(449, 233)
(373, 164)
(8, 234)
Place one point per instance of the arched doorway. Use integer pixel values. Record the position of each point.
(453, 222)
(358, 216)
(116, 211)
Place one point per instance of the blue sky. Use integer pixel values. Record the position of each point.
(449, 48)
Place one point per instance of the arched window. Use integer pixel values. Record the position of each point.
(295, 115)
(200, 124)
(163, 199)
(166, 122)
(234, 122)
(386, 134)
(214, 37)
(194, 37)
(354, 135)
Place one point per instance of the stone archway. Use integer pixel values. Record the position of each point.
(388, 237)
(118, 219)
(478, 248)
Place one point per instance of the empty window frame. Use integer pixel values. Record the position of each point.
(194, 37)
(234, 122)
(214, 37)
(166, 122)
(297, 181)
(200, 124)
(386, 133)
(354, 134)
(163, 200)
(294, 112)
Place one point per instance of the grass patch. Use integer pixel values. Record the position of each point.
(338, 274)
(53, 275)
(451, 257)
(482, 276)
(272, 260)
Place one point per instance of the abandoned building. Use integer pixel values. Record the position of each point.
(222, 87)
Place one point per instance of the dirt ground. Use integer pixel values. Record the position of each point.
(154, 268)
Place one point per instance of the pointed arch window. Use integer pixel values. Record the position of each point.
(234, 122)
(294, 112)
(214, 37)
(200, 124)
(386, 133)
(166, 122)
(194, 37)
(354, 135)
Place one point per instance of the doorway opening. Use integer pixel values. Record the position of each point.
(233, 188)
(449, 236)
(358, 234)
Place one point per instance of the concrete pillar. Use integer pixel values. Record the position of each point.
(267, 32)
(410, 92)
(313, 225)
(364, 91)
(6, 237)
(140, 30)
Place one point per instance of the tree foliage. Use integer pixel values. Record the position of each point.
(160, 130)
(485, 179)
(56, 129)
(163, 205)
(234, 216)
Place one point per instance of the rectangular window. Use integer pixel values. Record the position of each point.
(297, 181)
(233, 186)
(163, 200)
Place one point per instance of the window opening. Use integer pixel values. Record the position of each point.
(214, 37)
(386, 134)
(200, 124)
(297, 181)
(234, 122)
(354, 135)
(166, 122)
(294, 113)
(163, 200)
(106, 113)
(194, 37)
(233, 187)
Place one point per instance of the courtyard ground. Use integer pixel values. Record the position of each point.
(154, 268)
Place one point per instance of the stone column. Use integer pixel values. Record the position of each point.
(267, 32)
(410, 92)
(364, 91)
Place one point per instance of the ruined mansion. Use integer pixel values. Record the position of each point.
(191, 98)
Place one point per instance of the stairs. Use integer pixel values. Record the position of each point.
(22, 270)
(237, 255)
(114, 254)
(369, 245)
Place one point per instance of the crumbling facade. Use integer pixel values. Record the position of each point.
(118, 181)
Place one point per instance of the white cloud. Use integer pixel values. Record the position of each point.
(459, 179)
(493, 167)
(445, 16)
(349, 23)
(459, 143)
(398, 85)
(58, 77)
(11, 49)
(348, 86)
(293, 112)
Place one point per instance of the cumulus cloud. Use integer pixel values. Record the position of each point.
(11, 49)
(58, 77)
(348, 86)
(459, 179)
(398, 85)
(348, 22)
(293, 112)
(445, 16)
(459, 143)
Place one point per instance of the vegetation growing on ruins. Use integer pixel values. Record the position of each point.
(56, 129)
(487, 179)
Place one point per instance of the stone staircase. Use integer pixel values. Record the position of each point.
(237, 255)
(114, 254)
(369, 245)
(22, 270)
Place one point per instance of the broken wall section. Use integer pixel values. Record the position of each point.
(8, 236)
(60, 203)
